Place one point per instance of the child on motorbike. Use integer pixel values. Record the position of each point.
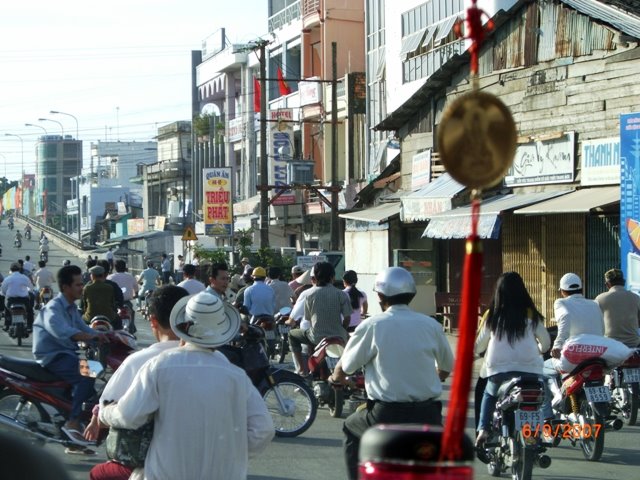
(513, 337)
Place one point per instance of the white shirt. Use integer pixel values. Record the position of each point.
(297, 313)
(127, 282)
(283, 293)
(44, 278)
(575, 315)
(192, 286)
(387, 345)
(28, 266)
(523, 355)
(208, 416)
(16, 285)
(123, 377)
(108, 255)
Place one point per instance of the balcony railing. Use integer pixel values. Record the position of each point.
(284, 17)
(310, 7)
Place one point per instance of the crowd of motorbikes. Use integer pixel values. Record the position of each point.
(595, 399)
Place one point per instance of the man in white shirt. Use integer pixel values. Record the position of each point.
(43, 276)
(207, 414)
(190, 284)
(385, 345)
(108, 256)
(129, 287)
(28, 266)
(574, 314)
(161, 303)
(16, 288)
(283, 291)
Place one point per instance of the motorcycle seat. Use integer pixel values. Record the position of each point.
(28, 368)
(531, 380)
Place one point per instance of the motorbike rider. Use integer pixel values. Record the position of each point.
(219, 279)
(149, 279)
(28, 266)
(98, 298)
(17, 240)
(327, 308)
(283, 291)
(27, 231)
(16, 289)
(128, 286)
(56, 332)
(259, 298)
(387, 345)
(161, 302)
(43, 278)
(621, 310)
(514, 338)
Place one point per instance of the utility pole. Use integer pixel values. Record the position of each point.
(335, 234)
(264, 162)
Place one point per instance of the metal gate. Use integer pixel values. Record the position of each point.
(603, 251)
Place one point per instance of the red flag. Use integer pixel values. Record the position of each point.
(282, 85)
(256, 95)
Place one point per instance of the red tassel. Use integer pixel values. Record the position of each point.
(458, 402)
(256, 95)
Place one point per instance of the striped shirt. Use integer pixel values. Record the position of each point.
(325, 307)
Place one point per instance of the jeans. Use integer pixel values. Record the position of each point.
(67, 367)
(428, 412)
(490, 398)
(297, 337)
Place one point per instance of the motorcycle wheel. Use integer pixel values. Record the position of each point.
(336, 404)
(592, 447)
(495, 467)
(297, 398)
(283, 349)
(522, 466)
(19, 333)
(24, 412)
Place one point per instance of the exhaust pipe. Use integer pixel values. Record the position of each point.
(543, 461)
(15, 426)
(615, 424)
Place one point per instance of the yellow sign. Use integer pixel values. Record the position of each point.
(217, 201)
(189, 234)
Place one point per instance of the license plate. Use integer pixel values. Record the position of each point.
(597, 394)
(284, 329)
(269, 334)
(331, 362)
(17, 319)
(631, 375)
(531, 417)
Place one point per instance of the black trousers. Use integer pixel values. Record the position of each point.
(28, 304)
(427, 412)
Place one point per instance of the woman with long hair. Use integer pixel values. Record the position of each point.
(513, 339)
(357, 298)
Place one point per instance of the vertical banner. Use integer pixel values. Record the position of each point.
(630, 199)
(216, 205)
(281, 152)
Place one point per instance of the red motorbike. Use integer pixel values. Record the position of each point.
(35, 403)
(321, 364)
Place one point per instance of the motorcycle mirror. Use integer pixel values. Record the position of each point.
(95, 368)
(285, 311)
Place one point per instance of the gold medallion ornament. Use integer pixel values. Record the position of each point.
(477, 140)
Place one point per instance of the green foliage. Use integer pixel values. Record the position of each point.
(217, 255)
(244, 241)
(202, 125)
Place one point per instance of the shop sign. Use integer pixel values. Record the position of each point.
(310, 92)
(280, 153)
(234, 133)
(630, 199)
(600, 162)
(420, 170)
(543, 161)
(217, 202)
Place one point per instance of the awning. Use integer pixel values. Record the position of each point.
(579, 201)
(456, 223)
(249, 206)
(432, 199)
(378, 214)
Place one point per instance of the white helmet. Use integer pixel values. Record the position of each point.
(394, 281)
(204, 319)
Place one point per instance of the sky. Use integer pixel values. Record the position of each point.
(122, 68)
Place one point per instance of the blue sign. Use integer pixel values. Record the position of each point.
(630, 199)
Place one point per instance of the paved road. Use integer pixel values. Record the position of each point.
(317, 454)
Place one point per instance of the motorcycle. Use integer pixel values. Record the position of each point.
(625, 388)
(44, 256)
(44, 295)
(124, 315)
(17, 243)
(18, 328)
(585, 408)
(268, 324)
(518, 426)
(35, 403)
(321, 364)
(289, 399)
(10, 224)
(27, 234)
(110, 355)
(281, 347)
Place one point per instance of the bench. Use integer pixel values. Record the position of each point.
(448, 309)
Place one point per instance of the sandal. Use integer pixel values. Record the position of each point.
(76, 437)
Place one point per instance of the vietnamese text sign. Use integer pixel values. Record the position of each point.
(420, 170)
(216, 204)
(280, 153)
(600, 162)
(543, 161)
(630, 199)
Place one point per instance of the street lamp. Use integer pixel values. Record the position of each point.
(37, 126)
(21, 150)
(57, 112)
(54, 121)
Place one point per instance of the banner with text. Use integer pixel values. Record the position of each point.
(216, 205)
(630, 199)
(281, 152)
(600, 162)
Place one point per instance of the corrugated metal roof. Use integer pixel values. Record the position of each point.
(580, 201)
(431, 199)
(378, 214)
(625, 22)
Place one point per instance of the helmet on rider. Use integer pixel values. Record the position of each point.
(394, 281)
(259, 272)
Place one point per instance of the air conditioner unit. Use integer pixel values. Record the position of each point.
(300, 172)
